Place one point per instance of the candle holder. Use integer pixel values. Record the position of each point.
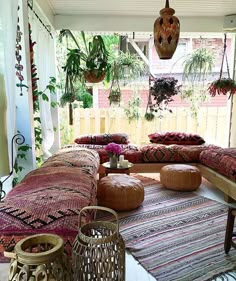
(18, 139)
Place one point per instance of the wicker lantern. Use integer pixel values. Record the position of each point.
(39, 257)
(98, 250)
(166, 32)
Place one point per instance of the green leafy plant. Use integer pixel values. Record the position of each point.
(198, 65)
(132, 111)
(21, 155)
(197, 68)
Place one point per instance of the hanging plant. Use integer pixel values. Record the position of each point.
(115, 92)
(198, 65)
(115, 96)
(132, 111)
(163, 89)
(222, 86)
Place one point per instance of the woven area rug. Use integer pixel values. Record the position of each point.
(177, 236)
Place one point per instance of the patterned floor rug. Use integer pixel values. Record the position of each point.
(177, 236)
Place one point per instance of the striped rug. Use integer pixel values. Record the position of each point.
(177, 236)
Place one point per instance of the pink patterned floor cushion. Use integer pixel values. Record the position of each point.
(120, 138)
(221, 160)
(47, 200)
(75, 157)
(176, 138)
(130, 152)
(172, 153)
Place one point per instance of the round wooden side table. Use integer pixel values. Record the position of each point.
(118, 170)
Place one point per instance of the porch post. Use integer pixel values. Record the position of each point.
(232, 136)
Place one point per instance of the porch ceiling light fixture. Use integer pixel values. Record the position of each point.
(166, 32)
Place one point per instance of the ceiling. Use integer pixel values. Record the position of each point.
(142, 7)
(135, 14)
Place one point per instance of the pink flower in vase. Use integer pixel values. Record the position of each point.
(113, 149)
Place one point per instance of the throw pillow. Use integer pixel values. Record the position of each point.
(120, 138)
(176, 138)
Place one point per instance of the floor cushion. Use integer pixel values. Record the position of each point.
(120, 192)
(222, 160)
(180, 177)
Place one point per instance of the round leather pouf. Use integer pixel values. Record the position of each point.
(180, 177)
(120, 192)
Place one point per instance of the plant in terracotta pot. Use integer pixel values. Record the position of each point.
(162, 90)
(88, 63)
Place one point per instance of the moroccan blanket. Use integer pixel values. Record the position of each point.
(48, 200)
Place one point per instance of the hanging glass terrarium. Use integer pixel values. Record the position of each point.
(166, 32)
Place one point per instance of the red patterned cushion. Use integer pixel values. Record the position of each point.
(222, 160)
(176, 138)
(120, 138)
(173, 153)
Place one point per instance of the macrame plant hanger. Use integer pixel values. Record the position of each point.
(226, 59)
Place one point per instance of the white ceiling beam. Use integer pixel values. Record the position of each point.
(134, 23)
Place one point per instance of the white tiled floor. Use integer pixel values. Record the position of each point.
(134, 271)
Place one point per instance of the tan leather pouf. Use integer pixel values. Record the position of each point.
(120, 192)
(180, 177)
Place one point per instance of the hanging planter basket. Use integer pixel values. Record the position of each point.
(114, 96)
(94, 76)
(166, 32)
(222, 86)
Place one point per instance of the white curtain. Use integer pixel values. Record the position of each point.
(44, 58)
(8, 27)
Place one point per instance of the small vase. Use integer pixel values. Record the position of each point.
(113, 161)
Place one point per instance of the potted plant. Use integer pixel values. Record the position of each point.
(114, 96)
(198, 65)
(90, 62)
(162, 90)
(222, 86)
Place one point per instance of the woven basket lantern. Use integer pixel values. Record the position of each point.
(39, 257)
(98, 250)
(166, 32)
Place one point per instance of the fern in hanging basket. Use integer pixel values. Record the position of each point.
(222, 86)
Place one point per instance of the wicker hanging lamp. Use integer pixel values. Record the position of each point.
(166, 32)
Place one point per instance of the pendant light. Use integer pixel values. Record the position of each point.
(166, 32)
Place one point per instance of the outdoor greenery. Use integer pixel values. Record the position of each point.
(132, 110)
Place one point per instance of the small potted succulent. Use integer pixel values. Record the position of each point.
(162, 90)
(222, 86)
